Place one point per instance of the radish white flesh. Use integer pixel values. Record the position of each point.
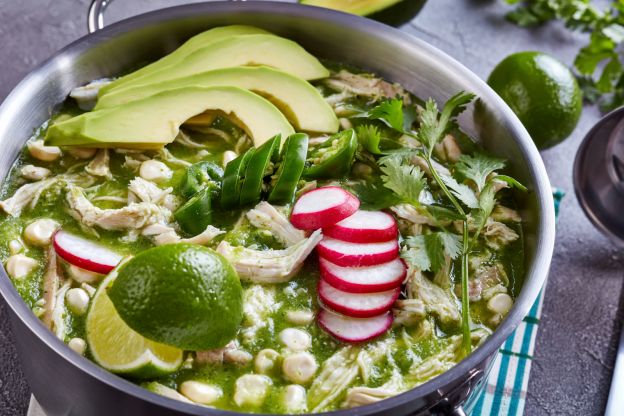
(357, 305)
(354, 329)
(364, 227)
(85, 253)
(355, 255)
(323, 207)
(370, 279)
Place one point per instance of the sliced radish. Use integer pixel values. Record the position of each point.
(358, 305)
(323, 207)
(354, 329)
(370, 279)
(364, 227)
(347, 254)
(85, 253)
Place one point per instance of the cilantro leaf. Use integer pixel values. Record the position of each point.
(511, 182)
(478, 167)
(389, 112)
(428, 252)
(373, 195)
(369, 137)
(434, 125)
(461, 191)
(406, 181)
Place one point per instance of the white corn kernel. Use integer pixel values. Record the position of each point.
(82, 152)
(77, 300)
(39, 233)
(155, 171)
(34, 173)
(201, 393)
(83, 276)
(295, 339)
(15, 246)
(500, 303)
(228, 156)
(78, 345)
(251, 390)
(295, 398)
(40, 151)
(299, 367)
(238, 357)
(301, 317)
(19, 266)
(265, 361)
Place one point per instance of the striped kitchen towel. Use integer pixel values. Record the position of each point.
(506, 388)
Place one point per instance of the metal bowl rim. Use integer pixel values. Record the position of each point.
(537, 272)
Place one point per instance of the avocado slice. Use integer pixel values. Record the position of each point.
(195, 43)
(359, 7)
(154, 121)
(243, 50)
(300, 102)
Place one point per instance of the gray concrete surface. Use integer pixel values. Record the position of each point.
(583, 306)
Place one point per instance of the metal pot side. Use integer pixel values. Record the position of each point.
(66, 384)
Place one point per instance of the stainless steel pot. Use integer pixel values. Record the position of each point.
(67, 384)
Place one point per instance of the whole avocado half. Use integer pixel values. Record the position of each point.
(391, 12)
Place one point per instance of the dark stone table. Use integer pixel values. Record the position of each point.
(583, 307)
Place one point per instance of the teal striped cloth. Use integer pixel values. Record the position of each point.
(505, 391)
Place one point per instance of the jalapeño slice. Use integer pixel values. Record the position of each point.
(197, 176)
(194, 216)
(233, 179)
(257, 169)
(290, 169)
(332, 158)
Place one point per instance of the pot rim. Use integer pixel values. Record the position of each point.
(536, 271)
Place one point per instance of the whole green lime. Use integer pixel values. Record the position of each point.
(542, 92)
(183, 295)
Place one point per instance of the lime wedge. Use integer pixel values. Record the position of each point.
(121, 350)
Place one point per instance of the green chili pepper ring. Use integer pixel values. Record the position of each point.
(332, 158)
(197, 176)
(290, 169)
(257, 169)
(194, 216)
(233, 178)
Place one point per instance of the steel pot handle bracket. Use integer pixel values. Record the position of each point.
(95, 18)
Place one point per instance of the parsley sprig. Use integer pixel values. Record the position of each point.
(598, 65)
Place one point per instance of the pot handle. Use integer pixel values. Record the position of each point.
(95, 18)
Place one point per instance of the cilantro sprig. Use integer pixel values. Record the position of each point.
(598, 65)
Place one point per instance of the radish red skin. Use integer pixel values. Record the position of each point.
(362, 312)
(358, 259)
(306, 219)
(327, 320)
(362, 233)
(340, 283)
(84, 263)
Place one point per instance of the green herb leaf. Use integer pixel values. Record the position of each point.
(374, 195)
(511, 182)
(478, 167)
(369, 137)
(461, 191)
(434, 125)
(389, 112)
(443, 213)
(428, 252)
(406, 181)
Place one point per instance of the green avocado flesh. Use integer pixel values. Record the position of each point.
(300, 102)
(243, 50)
(155, 121)
(201, 310)
(359, 7)
(193, 44)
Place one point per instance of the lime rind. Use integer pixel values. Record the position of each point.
(118, 348)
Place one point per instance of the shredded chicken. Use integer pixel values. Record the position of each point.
(437, 301)
(185, 140)
(504, 214)
(269, 266)
(169, 236)
(365, 85)
(52, 281)
(133, 216)
(408, 312)
(27, 194)
(497, 235)
(147, 191)
(439, 363)
(337, 374)
(86, 96)
(487, 281)
(448, 150)
(360, 396)
(265, 216)
(410, 213)
(99, 164)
